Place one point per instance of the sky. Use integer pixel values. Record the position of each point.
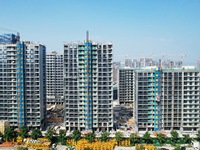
(137, 28)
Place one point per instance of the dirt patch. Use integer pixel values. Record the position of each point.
(6, 144)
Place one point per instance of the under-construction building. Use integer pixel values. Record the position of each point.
(88, 88)
(22, 83)
(54, 78)
(147, 62)
(165, 98)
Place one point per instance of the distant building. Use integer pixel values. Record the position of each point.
(88, 88)
(115, 90)
(54, 78)
(128, 62)
(22, 83)
(126, 87)
(172, 64)
(198, 63)
(116, 65)
(145, 62)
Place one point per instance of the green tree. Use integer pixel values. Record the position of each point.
(198, 136)
(104, 136)
(23, 132)
(9, 134)
(90, 137)
(70, 148)
(118, 137)
(134, 138)
(76, 135)
(49, 134)
(175, 136)
(177, 147)
(161, 138)
(36, 133)
(139, 147)
(62, 137)
(22, 148)
(187, 139)
(1, 135)
(147, 138)
(87, 148)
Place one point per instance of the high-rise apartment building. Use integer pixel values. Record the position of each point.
(88, 89)
(179, 97)
(116, 65)
(22, 83)
(54, 78)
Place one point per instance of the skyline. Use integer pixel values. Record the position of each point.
(136, 28)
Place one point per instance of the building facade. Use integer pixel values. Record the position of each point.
(88, 86)
(179, 97)
(22, 83)
(54, 78)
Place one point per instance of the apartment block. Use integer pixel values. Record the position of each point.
(88, 88)
(54, 78)
(22, 83)
(179, 97)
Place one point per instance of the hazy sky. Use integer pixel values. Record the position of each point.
(137, 28)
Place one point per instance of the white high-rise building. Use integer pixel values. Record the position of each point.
(88, 86)
(179, 97)
(22, 83)
(54, 78)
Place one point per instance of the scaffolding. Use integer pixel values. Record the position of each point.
(157, 99)
(20, 83)
(88, 103)
(8, 39)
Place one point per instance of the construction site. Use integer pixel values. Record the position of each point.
(55, 117)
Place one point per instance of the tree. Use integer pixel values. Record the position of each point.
(9, 134)
(198, 136)
(87, 148)
(104, 136)
(175, 136)
(187, 139)
(70, 148)
(90, 137)
(62, 137)
(134, 138)
(146, 137)
(23, 132)
(177, 147)
(76, 135)
(118, 137)
(36, 133)
(1, 135)
(139, 147)
(49, 134)
(22, 148)
(161, 138)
